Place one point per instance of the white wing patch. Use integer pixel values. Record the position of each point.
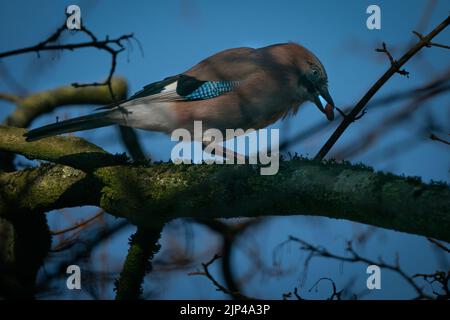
(170, 87)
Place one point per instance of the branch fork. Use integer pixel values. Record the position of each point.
(394, 63)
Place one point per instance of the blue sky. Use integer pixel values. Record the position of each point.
(177, 34)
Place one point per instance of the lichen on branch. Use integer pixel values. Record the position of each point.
(148, 195)
(32, 106)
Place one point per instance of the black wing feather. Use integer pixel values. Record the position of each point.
(185, 86)
(154, 88)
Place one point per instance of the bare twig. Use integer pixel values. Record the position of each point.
(394, 63)
(113, 47)
(439, 245)
(412, 93)
(383, 127)
(206, 273)
(354, 257)
(91, 241)
(436, 138)
(78, 225)
(229, 233)
(430, 44)
(9, 97)
(440, 277)
(334, 294)
(374, 89)
(105, 45)
(294, 293)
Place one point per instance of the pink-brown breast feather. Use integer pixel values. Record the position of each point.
(266, 90)
(256, 102)
(232, 64)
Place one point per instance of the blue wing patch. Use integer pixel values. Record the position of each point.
(211, 89)
(188, 88)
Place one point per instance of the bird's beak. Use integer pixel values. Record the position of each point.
(318, 103)
(329, 109)
(326, 95)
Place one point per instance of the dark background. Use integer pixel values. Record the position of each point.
(177, 34)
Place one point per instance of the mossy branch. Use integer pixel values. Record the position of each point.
(72, 151)
(143, 245)
(149, 195)
(34, 105)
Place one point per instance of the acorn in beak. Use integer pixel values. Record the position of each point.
(329, 108)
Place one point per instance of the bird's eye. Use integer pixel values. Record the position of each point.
(315, 72)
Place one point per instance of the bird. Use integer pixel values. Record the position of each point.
(247, 88)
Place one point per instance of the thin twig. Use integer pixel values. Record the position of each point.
(9, 97)
(105, 45)
(229, 233)
(77, 226)
(45, 46)
(376, 102)
(377, 86)
(440, 277)
(364, 141)
(355, 258)
(439, 245)
(206, 273)
(394, 62)
(436, 138)
(114, 47)
(335, 294)
(431, 44)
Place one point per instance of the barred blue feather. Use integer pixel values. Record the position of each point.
(211, 89)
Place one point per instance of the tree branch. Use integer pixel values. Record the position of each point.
(143, 245)
(9, 97)
(46, 46)
(394, 63)
(412, 93)
(354, 257)
(395, 68)
(436, 138)
(37, 104)
(160, 192)
(431, 44)
(71, 151)
(32, 106)
(235, 294)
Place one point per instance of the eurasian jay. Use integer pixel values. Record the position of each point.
(236, 88)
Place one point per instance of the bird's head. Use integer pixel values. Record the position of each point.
(313, 80)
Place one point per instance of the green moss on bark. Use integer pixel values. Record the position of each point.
(149, 195)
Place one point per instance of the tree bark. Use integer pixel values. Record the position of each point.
(149, 195)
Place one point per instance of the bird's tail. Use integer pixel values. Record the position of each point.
(92, 121)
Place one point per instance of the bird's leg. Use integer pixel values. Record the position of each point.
(346, 116)
(227, 153)
(123, 110)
